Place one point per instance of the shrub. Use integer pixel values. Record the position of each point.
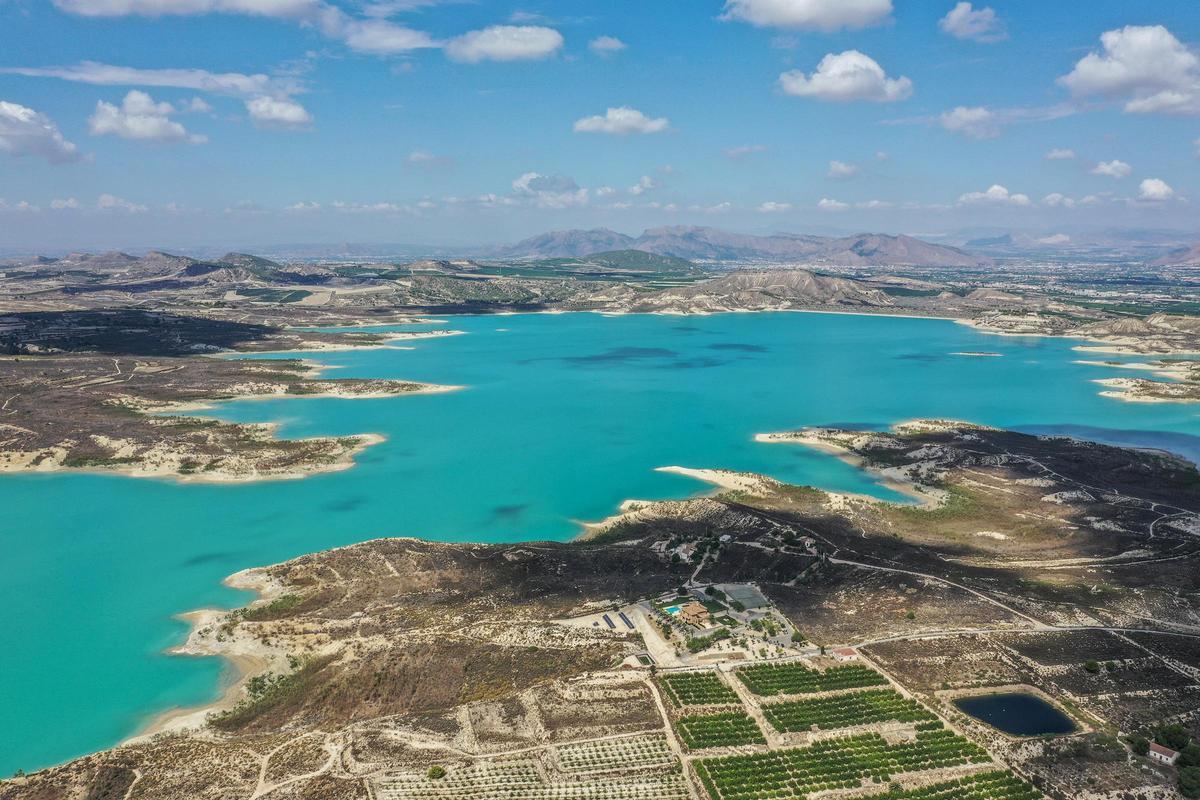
(436, 773)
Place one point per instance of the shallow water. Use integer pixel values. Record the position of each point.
(563, 417)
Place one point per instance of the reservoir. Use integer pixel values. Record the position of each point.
(563, 416)
(1017, 713)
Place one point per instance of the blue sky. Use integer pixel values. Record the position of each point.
(189, 122)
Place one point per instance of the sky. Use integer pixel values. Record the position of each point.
(128, 123)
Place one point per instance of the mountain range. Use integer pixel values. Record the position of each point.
(712, 244)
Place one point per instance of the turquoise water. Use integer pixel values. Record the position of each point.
(564, 417)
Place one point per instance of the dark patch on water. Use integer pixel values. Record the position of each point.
(346, 504)
(685, 328)
(216, 557)
(741, 347)
(617, 355)
(1017, 713)
(508, 513)
(926, 357)
(698, 363)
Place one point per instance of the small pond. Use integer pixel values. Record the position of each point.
(1017, 713)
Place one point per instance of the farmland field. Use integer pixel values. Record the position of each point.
(771, 679)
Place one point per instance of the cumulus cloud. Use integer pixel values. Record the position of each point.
(25, 132)
(846, 77)
(1059, 154)
(772, 207)
(839, 170)
(269, 99)
(1155, 190)
(819, 15)
(1113, 169)
(303, 207)
(197, 105)
(621, 121)
(108, 202)
(644, 184)
(424, 158)
(64, 203)
(1143, 64)
(140, 117)
(741, 151)
(549, 191)
(505, 43)
(1058, 200)
(606, 45)
(281, 112)
(829, 204)
(979, 25)
(976, 122)
(995, 194)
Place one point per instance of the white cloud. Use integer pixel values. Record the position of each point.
(1058, 200)
(606, 45)
(996, 194)
(873, 205)
(977, 122)
(880, 155)
(60, 204)
(772, 207)
(716, 208)
(1155, 190)
(196, 105)
(549, 191)
(1059, 154)
(644, 184)
(620, 121)
(368, 208)
(268, 99)
(303, 207)
(376, 36)
(605, 191)
(1055, 239)
(839, 170)
(25, 132)
(505, 43)
(280, 112)
(845, 77)
(1113, 169)
(139, 117)
(108, 202)
(741, 151)
(966, 22)
(820, 15)
(235, 84)
(372, 35)
(423, 158)
(1146, 65)
(829, 204)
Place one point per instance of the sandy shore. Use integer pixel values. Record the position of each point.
(727, 479)
(1132, 390)
(245, 657)
(893, 480)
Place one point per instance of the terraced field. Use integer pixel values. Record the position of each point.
(697, 689)
(981, 786)
(637, 752)
(840, 763)
(719, 730)
(523, 780)
(845, 710)
(773, 679)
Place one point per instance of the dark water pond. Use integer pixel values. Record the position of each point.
(1016, 713)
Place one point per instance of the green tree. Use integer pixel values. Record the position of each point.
(1189, 781)
(1174, 736)
(1139, 745)
(436, 772)
(1092, 667)
(1189, 756)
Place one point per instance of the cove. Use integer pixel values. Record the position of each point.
(1016, 713)
(564, 416)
